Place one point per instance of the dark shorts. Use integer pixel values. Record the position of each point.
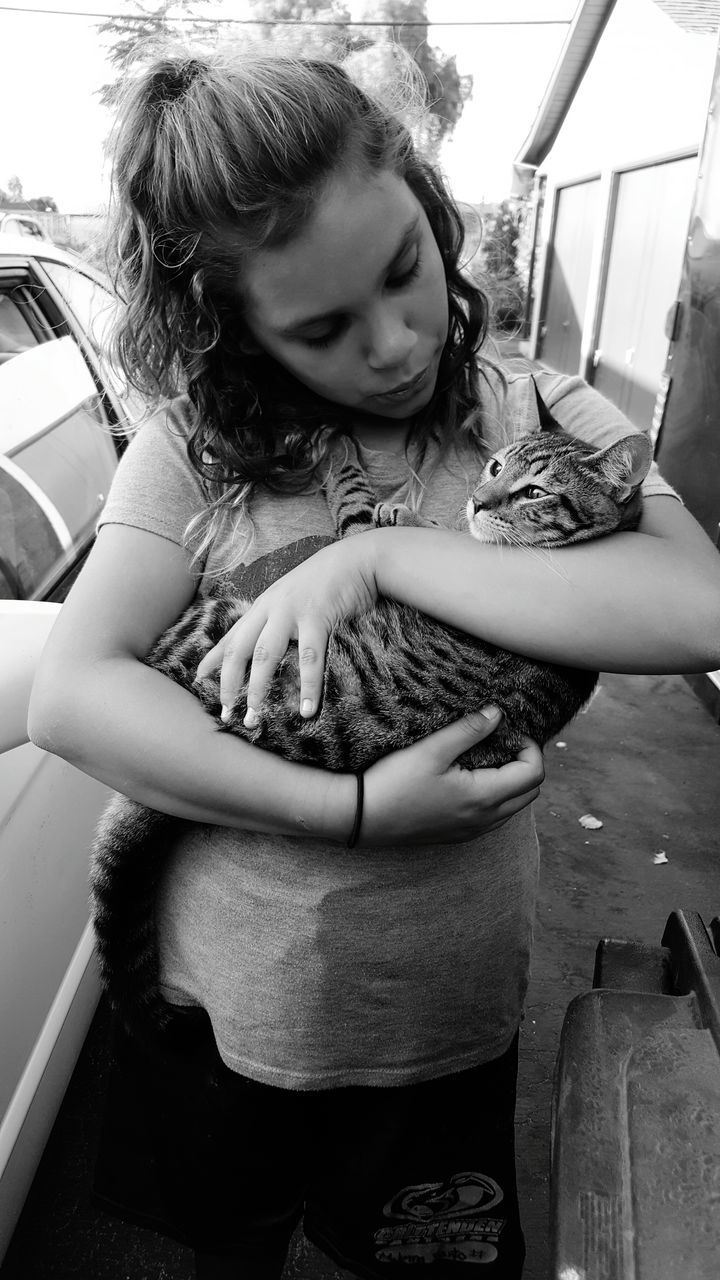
(379, 1177)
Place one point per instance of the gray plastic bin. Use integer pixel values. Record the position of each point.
(635, 1163)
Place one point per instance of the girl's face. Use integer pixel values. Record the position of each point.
(356, 305)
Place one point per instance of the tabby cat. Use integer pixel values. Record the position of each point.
(393, 675)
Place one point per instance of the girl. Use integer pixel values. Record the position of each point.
(343, 1047)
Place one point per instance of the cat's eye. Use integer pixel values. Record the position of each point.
(534, 491)
(494, 467)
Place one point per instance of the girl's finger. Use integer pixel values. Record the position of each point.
(270, 649)
(241, 647)
(524, 773)
(450, 742)
(509, 787)
(312, 650)
(243, 633)
(531, 752)
(212, 661)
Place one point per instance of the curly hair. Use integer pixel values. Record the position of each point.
(216, 156)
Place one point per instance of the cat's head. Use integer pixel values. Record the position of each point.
(551, 489)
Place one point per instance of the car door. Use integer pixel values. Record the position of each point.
(60, 437)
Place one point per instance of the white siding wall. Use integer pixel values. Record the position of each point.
(644, 97)
(645, 93)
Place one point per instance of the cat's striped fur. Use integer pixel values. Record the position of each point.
(392, 675)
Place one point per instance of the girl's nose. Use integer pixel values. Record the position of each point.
(392, 340)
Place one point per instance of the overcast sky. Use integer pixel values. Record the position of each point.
(53, 126)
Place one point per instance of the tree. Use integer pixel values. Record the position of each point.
(14, 198)
(43, 204)
(500, 275)
(322, 25)
(447, 91)
(404, 22)
(501, 240)
(133, 42)
(315, 27)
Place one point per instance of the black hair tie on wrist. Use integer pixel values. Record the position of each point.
(354, 834)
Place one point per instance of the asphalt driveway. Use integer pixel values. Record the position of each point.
(644, 760)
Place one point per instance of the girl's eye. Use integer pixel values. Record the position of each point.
(399, 281)
(324, 339)
(405, 277)
(534, 491)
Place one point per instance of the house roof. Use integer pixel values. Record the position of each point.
(585, 30)
(701, 17)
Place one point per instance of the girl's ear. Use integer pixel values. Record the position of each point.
(625, 463)
(249, 346)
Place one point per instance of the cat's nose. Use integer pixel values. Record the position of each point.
(475, 504)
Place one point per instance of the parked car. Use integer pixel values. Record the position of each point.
(21, 224)
(63, 424)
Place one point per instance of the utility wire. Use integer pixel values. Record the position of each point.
(287, 22)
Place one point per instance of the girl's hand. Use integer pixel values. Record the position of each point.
(337, 582)
(420, 796)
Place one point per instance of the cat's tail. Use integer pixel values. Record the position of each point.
(125, 865)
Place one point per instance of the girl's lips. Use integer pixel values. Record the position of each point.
(406, 389)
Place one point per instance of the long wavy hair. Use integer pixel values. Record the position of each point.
(215, 157)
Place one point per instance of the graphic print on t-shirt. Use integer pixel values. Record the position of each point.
(250, 580)
(445, 1221)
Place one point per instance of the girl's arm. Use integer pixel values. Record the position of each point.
(646, 601)
(95, 703)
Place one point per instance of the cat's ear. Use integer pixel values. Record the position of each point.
(625, 464)
(545, 418)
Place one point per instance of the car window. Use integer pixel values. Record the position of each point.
(15, 332)
(31, 543)
(94, 306)
(17, 226)
(57, 460)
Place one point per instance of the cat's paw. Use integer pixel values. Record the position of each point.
(387, 515)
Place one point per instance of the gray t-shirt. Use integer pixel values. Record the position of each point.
(321, 966)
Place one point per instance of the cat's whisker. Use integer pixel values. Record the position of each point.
(544, 554)
(548, 561)
(509, 537)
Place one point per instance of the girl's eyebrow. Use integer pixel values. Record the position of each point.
(406, 238)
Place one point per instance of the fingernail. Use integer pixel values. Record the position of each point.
(306, 707)
(225, 713)
(490, 711)
(252, 719)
